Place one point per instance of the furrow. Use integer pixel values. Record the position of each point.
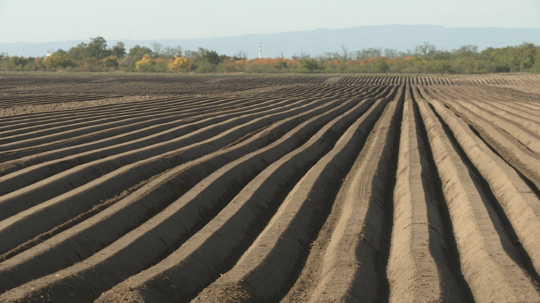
(113, 222)
(87, 111)
(184, 211)
(48, 135)
(211, 249)
(520, 205)
(502, 106)
(490, 272)
(155, 111)
(121, 172)
(166, 139)
(263, 271)
(512, 151)
(62, 117)
(36, 146)
(522, 131)
(123, 135)
(517, 116)
(296, 119)
(362, 213)
(417, 271)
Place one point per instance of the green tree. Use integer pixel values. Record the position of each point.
(442, 66)
(78, 52)
(61, 52)
(119, 50)
(240, 55)
(309, 64)
(18, 61)
(158, 49)
(536, 68)
(212, 57)
(382, 65)
(426, 50)
(138, 52)
(56, 60)
(111, 62)
(466, 51)
(281, 65)
(92, 64)
(97, 48)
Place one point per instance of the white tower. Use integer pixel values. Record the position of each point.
(260, 52)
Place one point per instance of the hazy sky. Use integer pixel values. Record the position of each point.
(61, 20)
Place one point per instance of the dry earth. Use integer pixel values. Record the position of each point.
(294, 189)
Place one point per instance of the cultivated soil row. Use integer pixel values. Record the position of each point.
(325, 190)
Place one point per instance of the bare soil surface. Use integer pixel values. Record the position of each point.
(526, 88)
(269, 189)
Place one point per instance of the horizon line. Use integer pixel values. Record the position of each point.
(342, 28)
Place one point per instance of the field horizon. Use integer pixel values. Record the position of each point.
(256, 189)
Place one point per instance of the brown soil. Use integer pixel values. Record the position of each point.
(267, 189)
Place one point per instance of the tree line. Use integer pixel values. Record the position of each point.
(422, 59)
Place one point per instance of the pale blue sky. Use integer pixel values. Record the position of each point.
(62, 20)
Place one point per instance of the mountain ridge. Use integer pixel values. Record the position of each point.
(317, 41)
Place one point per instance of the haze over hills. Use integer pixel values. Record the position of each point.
(401, 37)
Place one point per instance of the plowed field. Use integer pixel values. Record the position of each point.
(293, 189)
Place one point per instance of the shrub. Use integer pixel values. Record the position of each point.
(309, 64)
(536, 68)
(111, 61)
(382, 65)
(258, 68)
(179, 64)
(206, 67)
(128, 60)
(92, 64)
(55, 61)
(442, 67)
(16, 61)
(39, 63)
(281, 65)
(212, 57)
(146, 63)
(232, 66)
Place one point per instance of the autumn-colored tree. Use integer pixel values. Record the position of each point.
(179, 64)
(145, 63)
(137, 52)
(111, 61)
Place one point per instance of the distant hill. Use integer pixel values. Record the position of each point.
(401, 37)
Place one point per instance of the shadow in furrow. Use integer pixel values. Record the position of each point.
(330, 196)
(258, 228)
(509, 239)
(253, 272)
(451, 254)
(530, 184)
(391, 151)
(379, 148)
(316, 227)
